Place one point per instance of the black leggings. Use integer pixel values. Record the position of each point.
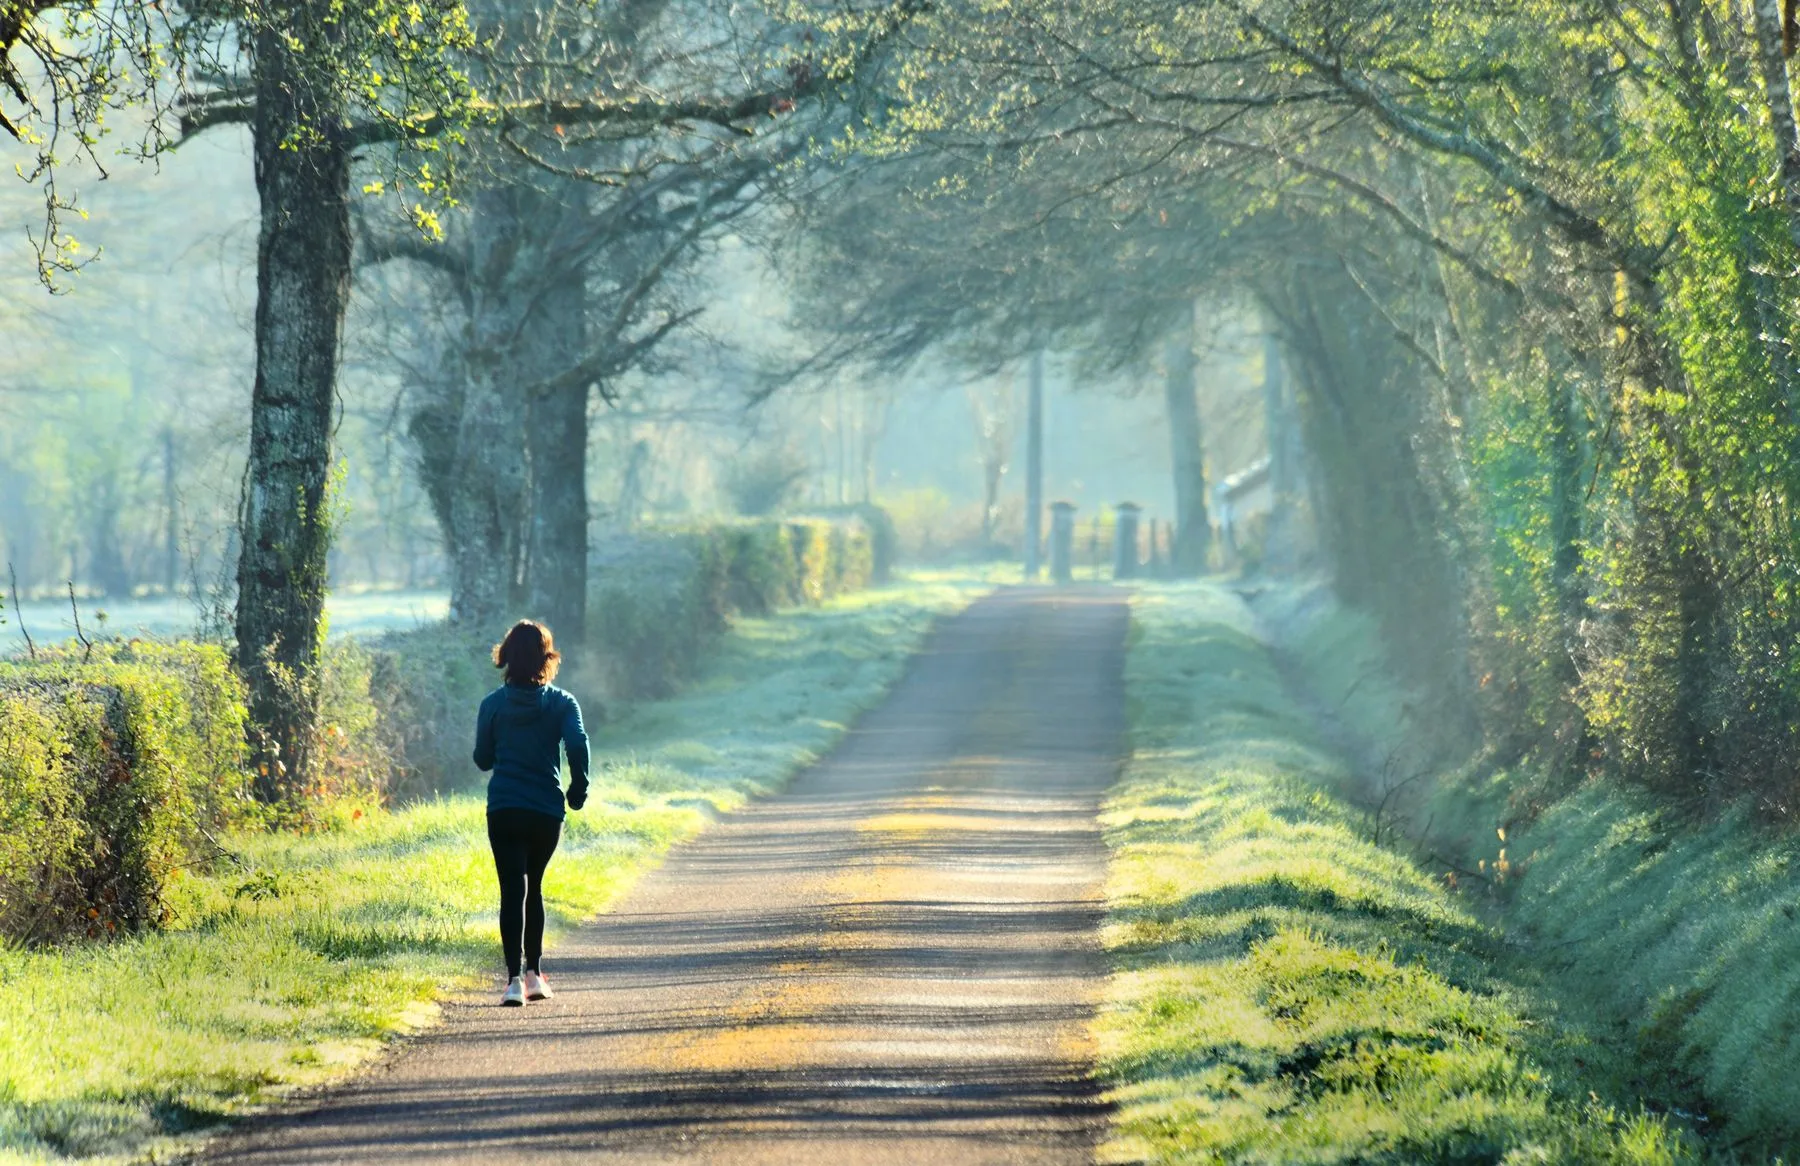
(523, 841)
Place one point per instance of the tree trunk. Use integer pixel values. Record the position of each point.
(1187, 455)
(302, 283)
(489, 519)
(1034, 467)
(488, 499)
(1283, 436)
(556, 571)
(1779, 95)
(993, 470)
(1566, 506)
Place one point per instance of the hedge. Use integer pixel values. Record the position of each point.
(656, 601)
(114, 771)
(117, 769)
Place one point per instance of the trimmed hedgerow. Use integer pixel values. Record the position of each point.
(657, 602)
(883, 538)
(117, 764)
(659, 598)
(114, 770)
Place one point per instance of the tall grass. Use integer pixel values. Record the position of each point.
(1288, 991)
(301, 955)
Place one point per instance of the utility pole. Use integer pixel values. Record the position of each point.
(1034, 465)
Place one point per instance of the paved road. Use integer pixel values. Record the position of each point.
(893, 962)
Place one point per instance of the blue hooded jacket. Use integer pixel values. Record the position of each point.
(517, 733)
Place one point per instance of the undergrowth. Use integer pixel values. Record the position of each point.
(301, 956)
(1288, 991)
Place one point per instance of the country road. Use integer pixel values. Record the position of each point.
(895, 961)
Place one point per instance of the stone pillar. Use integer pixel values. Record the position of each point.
(1062, 542)
(1125, 541)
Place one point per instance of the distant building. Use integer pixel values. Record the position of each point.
(1241, 499)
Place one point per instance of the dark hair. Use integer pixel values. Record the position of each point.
(527, 654)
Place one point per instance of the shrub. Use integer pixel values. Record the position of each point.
(883, 537)
(38, 828)
(656, 602)
(114, 771)
(658, 598)
(655, 599)
(423, 687)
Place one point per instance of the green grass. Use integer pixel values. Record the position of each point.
(1287, 990)
(1676, 939)
(303, 956)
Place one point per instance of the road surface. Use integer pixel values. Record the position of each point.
(895, 961)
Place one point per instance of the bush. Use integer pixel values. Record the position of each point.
(657, 601)
(659, 598)
(113, 773)
(884, 537)
(115, 770)
(424, 686)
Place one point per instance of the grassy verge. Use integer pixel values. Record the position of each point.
(298, 959)
(1676, 938)
(1289, 991)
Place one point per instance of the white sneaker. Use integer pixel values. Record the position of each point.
(536, 987)
(515, 994)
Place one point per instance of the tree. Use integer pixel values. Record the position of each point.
(315, 80)
(1561, 293)
(995, 406)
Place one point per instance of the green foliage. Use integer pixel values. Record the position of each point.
(1536, 268)
(884, 537)
(38, 827)
(1291, 991)
(117, 771)
(425, 686)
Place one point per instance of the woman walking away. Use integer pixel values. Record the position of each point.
(516, 735)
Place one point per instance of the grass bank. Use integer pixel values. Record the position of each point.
(1288, 991)
(297, 958)
(1675, 934)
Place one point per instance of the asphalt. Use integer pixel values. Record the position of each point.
(895, 961)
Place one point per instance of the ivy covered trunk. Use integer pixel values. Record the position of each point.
(302, 155)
